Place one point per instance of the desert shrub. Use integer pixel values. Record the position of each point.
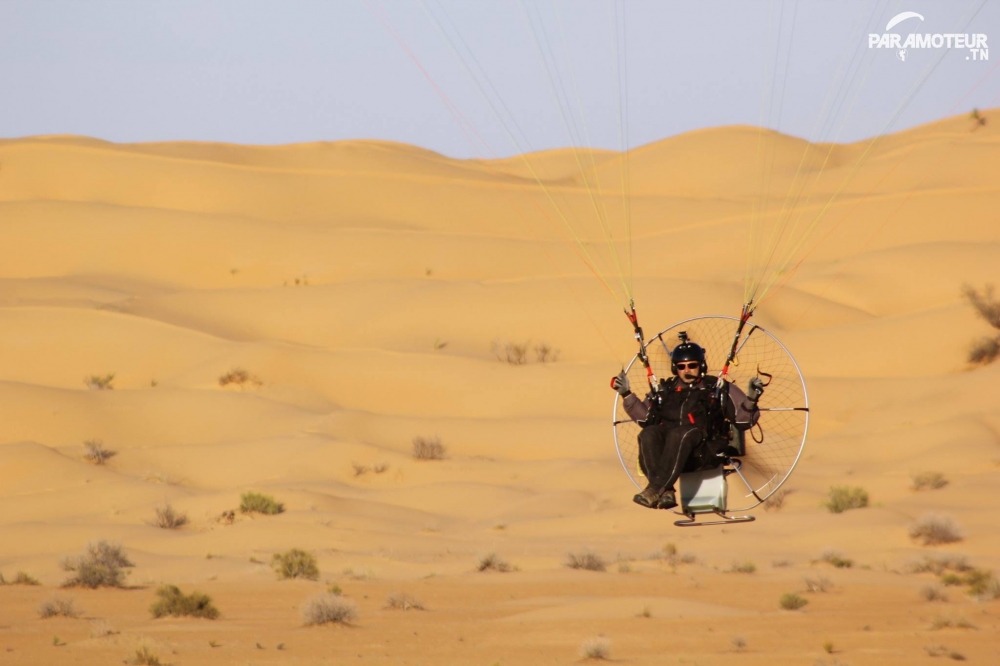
(932, 593)
(828, 647)
(949, 623)
(986, 305)
(360, 469)
(144, 656)
(586, 560)
(792, 601)
(428, 448)
(981, 583)
(984, 350)
(836, 558)
(103, 564)
(21, 578)
(942, 651)
(777, 499)
(251, 502)
(94, 451)
(510, 353)
(403, 601)
(845, 498)
(598, 647)
(493, 562)
(239, 377)
(99, 382)
(931, 530)
(295, 564)
(738, 642)
(817, 584)
(173, 602)
(928, 481)
(329, 608)
(380, 468)
(546, 354)
(742, 567)
(939, 564)
(168, 519)
(57, 607)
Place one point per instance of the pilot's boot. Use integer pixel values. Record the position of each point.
(667, 500)
(647, 497)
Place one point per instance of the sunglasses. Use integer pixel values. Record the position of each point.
(687, 366)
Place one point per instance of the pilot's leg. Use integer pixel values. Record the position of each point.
(651, 443)
(677, 447)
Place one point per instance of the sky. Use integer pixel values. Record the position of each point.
(481, 78)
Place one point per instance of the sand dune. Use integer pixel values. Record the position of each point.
(364, 287)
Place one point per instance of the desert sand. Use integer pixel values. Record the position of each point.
(364, 285)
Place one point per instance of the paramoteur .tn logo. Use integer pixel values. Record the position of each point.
(974, 42)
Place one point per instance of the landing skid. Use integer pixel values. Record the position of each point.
(692, 519)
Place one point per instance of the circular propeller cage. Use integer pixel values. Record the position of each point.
(774, 445)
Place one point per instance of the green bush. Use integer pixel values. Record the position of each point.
(844, 498)
(260, 503)
(792, 601)
(174, 603)
(295, 564)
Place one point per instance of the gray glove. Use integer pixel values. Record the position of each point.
(755, 388)
(620, 383)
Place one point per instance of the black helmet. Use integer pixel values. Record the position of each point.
(687, 351)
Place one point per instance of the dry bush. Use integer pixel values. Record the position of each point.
(777, 499)
(144, 656)
(99, 382)
(329, 608)
(168, 519)
(174, 603)
(103, 564)
(380, 468)
(359, 469)
(738, 642)
(493, 562)
(928, 481)
(742, 567)
(251, 502)
(240, 377)
(932, 593)
(984, 350)
(836, 558)
(932, 529)
(403, 601)
(94, 451)
(939, 564)
(21, 578)
(845, 498)
(986, 305)
(545, 353)
(949, 623)
(781, 564)
(818, 584)
(57, 607)
(586, 560)
(295, 564)
(510, 353)
(942, 651)
(598, 647)
(428, 448)
(792, 601)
